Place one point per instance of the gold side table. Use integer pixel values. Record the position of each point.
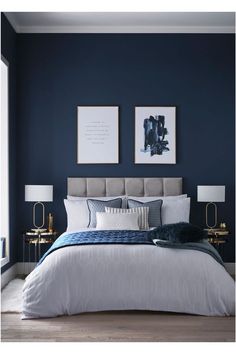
(36, 239)
(217, 237)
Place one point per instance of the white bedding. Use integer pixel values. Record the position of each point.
(89, 278)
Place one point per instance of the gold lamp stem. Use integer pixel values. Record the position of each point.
(215, 207)
(43, 211)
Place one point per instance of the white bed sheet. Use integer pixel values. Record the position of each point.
(90, 278)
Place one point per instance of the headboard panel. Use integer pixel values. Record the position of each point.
(133, 186)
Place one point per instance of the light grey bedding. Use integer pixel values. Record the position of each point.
(88, 278)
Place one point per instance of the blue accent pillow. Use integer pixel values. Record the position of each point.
(154, 216)
(181, 232)
(95, 206)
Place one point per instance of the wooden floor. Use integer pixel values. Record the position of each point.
(129, 326)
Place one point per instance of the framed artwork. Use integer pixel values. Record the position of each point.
(98, 135)
(155, 134)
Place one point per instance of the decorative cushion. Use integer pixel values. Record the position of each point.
(154, 217)
(95, 206)
(178, 233)
(110, 221)
(141, 211)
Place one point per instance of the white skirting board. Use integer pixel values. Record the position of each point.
(8, 275)
(21, 268)
(25, 268)
(17, 269)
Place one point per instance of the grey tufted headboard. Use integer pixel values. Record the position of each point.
(133, 186)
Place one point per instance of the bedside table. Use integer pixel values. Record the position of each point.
(217, 237)
(36, 239)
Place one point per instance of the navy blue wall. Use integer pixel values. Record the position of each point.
(58, 72)
(8, 50)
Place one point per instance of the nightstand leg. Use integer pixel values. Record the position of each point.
(39, 247)
(23, 254)
(220, 250)
(29, 260)
(35, 252)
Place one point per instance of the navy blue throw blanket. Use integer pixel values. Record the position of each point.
(100, 237)
(129, 237)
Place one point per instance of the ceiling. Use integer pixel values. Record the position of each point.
(122, 22)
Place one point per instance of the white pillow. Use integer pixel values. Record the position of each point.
(123, 197)
(108, 221)
(150, 199)
(141, 211)
(173, 211)
(77, 214)
(74, 198)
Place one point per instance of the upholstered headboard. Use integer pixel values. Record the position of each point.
(133, 186)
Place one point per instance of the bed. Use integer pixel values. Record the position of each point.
(95, 270)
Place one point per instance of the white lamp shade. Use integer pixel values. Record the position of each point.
(210, 193)
(37, 193)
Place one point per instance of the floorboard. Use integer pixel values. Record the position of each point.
(129, 326)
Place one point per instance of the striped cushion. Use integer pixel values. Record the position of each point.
(154, 216)
(95, 206)
(141, 211)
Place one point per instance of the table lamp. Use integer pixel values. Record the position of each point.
(211, 195)
(38, 194)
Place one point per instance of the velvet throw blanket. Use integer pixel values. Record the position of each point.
(100, 237)
(129, 237)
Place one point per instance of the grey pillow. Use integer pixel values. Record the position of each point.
(154, 216)
(95, 206)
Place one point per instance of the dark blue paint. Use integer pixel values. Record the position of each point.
(57, 72)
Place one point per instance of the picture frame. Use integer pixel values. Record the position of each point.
(155, 135)
(97, 134)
